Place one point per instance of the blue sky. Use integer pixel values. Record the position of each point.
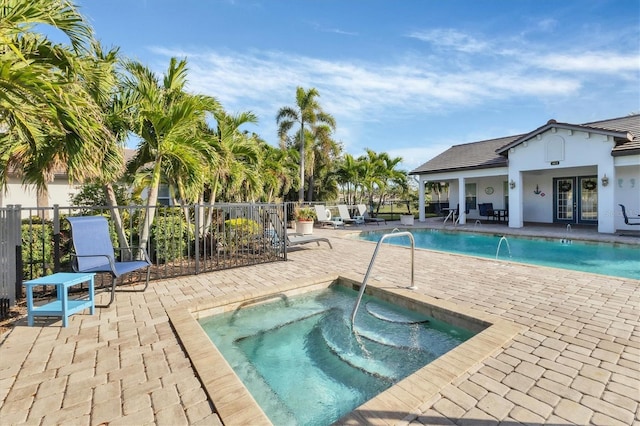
(409, 77)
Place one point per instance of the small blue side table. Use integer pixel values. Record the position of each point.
(62, 307)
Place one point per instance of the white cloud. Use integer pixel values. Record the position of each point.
(450, 38)
(359, 89)
(359, 93)
(589, 62)
(547, 24)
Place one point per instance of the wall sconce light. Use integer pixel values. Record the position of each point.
(512, 184)
(605, 180)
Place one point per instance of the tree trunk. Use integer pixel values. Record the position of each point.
(149, 214)
(302, 152)
(42, 202)
(311, 186)
(112, 203)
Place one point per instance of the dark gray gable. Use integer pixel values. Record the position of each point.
(476, 155)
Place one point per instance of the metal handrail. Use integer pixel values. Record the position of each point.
(373, 258)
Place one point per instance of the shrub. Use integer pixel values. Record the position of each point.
(169, 236)
(241, 231)
(37, 248)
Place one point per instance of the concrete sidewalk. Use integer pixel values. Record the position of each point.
(577, 362)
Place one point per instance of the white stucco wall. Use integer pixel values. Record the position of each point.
(557, 153)
(59, 193)
(539, 207)
(626, 186)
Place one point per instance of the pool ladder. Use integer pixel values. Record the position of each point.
(373, 258)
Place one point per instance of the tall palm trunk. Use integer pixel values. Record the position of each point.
(302, 155)
(42, 202)
(151, 206)
(311, 188)
(112, 203)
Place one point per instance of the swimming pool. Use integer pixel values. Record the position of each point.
(302, 363)
(599, 258)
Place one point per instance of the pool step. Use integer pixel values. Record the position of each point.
(384, 313)
(326, 360)
(400, 330)
(337, 336)
(387, 361)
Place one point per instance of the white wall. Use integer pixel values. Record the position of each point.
(626, 186)
(59, 193)
(538, 207)
(561, 152)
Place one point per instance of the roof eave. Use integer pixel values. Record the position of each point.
(625, 152)
(540, 130)
(458, 169)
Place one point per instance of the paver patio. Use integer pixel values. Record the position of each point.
(576, 362)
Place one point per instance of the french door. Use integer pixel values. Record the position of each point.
(575, 199)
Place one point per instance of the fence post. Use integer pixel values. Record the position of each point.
(15, 238)
(196, 215)
(56, 238)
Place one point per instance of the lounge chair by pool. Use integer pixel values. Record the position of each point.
(298, 239)
(323, 217)
(346, 217)
(362, 209)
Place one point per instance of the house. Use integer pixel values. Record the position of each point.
(60, 190)
(558, 173)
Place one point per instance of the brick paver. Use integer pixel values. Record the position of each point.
(577, 360)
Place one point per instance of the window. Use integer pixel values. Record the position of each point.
(164, 197)
(470, 196)
(505, 191)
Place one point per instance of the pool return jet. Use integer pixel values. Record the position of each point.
(373, 258)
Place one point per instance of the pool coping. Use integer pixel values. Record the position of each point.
(402, 402)
(356, 236)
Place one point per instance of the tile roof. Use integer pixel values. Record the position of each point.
(61, 170)
(475, 155)
(492, 153)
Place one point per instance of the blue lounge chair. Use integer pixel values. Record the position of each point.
(94, 251)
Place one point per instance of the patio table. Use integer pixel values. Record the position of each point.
(62, 306)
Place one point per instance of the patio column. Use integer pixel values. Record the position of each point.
(421, 197)
(462, 201)
(516, 197)
(606, 199)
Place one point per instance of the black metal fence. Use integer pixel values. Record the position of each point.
(182, 240)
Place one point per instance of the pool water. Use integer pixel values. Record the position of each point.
(599, 258)
(302, 363)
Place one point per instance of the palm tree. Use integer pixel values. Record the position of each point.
(48, 120)
(278, 166)
(106, 90)
(170, 124)
(382, 174)
(306, 111)
(322, 156)
(348, 176)
(236, 155)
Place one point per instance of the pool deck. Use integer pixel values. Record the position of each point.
(576, 360)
